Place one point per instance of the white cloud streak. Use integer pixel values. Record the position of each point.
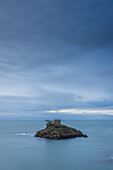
(82, 111)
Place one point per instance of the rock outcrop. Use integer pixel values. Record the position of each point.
(59, 132)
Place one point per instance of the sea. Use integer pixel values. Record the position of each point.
(20, 150)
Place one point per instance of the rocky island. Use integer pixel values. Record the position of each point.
(56, 130)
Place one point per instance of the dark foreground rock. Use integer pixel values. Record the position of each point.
(59, 132)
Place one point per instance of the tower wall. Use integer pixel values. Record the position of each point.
(57, 122)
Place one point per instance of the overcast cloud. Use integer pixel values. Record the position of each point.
(55, 55)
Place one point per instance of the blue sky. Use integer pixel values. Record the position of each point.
(56, 59)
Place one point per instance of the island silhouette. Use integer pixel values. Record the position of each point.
(56, 130)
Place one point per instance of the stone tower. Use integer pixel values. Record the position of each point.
(57, 122)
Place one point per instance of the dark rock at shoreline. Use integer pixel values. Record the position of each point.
(59, 132)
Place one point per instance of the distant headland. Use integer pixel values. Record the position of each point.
(56, 130)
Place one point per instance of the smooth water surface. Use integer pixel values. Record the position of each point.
(20, 150)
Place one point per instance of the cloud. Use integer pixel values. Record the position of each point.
(81, 111)
(55, 55)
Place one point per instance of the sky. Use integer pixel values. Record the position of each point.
(56, 59)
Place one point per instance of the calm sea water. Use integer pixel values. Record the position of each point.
(21, 151)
